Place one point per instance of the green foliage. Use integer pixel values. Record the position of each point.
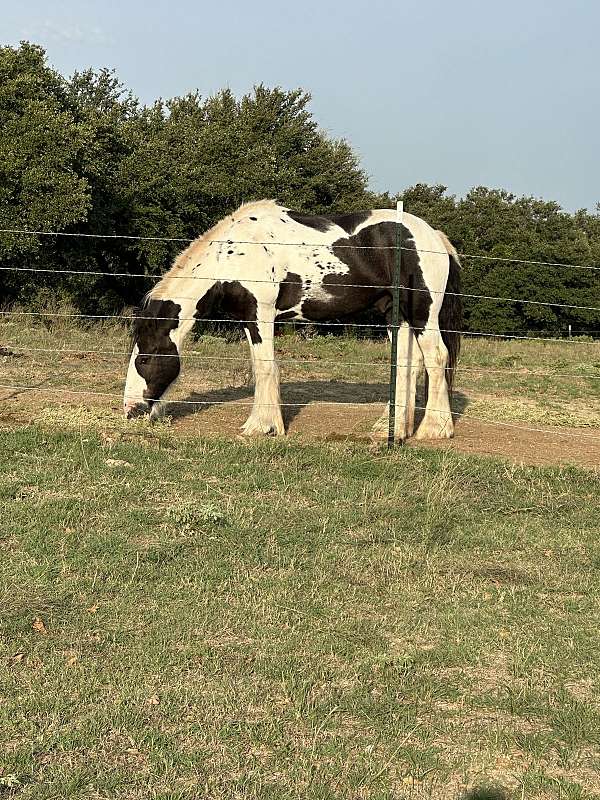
(496, 224)
(82, 155)
(40, 144)
(41, 187)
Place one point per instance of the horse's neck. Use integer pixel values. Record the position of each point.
(198, 300)
(199, 297)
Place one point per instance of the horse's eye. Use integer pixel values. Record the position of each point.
(144, 359)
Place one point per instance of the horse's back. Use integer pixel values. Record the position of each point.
(345, 263)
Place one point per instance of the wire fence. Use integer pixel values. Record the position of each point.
(274, 243)
(15, 349)
(287, 322)
(325, 284)
(394, 287)
(335, 403)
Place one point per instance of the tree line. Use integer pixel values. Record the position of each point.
(83, 155)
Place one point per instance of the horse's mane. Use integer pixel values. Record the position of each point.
(219, 232)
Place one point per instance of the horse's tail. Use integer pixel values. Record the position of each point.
(451, 313)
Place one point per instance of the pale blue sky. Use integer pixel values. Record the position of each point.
(504, 94)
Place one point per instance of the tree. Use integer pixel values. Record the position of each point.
(495, 229)
(40, 146)
(84, 156)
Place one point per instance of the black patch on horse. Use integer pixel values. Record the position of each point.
(349, 222)
(209, 302)
(285, 315)
(317, 223)
(323, 222)
(158, 360)
(370, 256)
(232, 300)
(290, 292)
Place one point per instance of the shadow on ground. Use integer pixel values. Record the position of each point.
(300, 394)
(486, 793)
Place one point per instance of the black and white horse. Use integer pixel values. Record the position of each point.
(265, 263)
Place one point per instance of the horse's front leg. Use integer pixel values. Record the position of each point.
(265, 417)
(408, 363)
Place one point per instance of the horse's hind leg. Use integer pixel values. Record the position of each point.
(265, 417)
(408, 363)
(437, 422)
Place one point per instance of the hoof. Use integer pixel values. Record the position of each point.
(380, 436)
(255, 427)
(380, 431)
(437, 430)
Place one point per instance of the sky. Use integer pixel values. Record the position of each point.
(463, 93)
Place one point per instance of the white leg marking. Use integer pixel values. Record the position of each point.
(135, 385)
(408, 365)
(265, 417)
(437, 422)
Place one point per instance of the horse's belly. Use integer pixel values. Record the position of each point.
(323, 288)
(319, 304)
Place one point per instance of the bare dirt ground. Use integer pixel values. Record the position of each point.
(314, 421)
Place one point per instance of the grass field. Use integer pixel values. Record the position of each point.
(188, 617)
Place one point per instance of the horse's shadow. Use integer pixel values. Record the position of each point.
(296, 395)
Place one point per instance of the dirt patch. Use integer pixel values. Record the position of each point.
(577, 446)
(540, 398)
(310, 420)
(539, 446)
(311, 414)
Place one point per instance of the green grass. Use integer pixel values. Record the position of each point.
(208, 618)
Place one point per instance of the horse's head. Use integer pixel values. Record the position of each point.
(154, 364)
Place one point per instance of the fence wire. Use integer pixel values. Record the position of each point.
(335, 285)
(509, 259)
(313, 324)
(308, 362)
(293, 322)
(336, 403)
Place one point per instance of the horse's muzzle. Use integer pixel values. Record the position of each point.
(136, 408)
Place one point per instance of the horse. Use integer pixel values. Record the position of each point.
(266, 263)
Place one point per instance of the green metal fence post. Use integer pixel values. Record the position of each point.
(395, 323)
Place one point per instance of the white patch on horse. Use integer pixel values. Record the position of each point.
(135, 385)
